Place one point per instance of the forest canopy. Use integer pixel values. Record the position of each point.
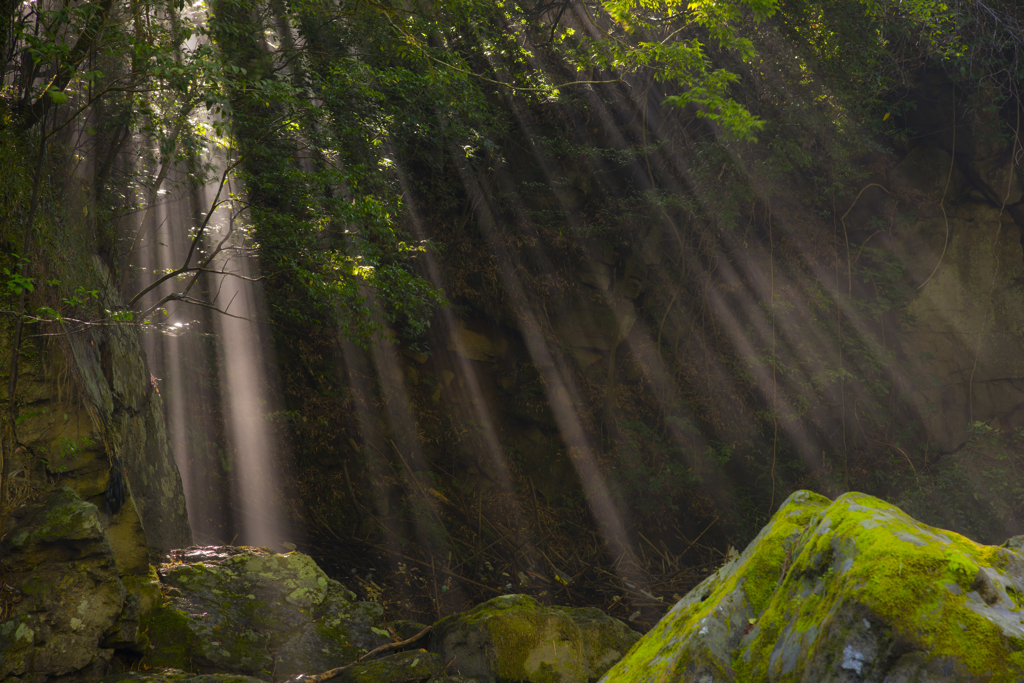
(314, 101)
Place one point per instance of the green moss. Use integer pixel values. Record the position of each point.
(528, 640)
(67, 517)
(817, 578)
(546, 673)
(903, 573)
(809, 608)
(906, 584)
(417, 665)
(171, 638)
(1015, 595)
(754, 577)
(147, 587)
(332, 629)
(761, 572)
(603, 640)
(154, 676)
(514, 638)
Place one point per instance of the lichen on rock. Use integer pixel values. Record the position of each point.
(71, 612)
(253, 612)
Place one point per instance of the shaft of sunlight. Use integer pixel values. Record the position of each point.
(247, 379)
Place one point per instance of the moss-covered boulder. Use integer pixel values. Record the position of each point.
(71, 608)
(515, 638)
(253, 612)
(853, 590)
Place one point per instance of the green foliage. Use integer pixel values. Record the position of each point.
(329, 230)
(342, 115)
(319, 125)
(15, 282)
(679, 58)
(968, 41)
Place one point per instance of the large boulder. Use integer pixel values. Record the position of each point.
(72, 609)
(253, 612)
(853, 590)
(515, 638)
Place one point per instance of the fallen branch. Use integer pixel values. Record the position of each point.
(331, 673)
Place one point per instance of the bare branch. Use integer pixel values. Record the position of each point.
(196, 302)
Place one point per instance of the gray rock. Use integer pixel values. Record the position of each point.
(959, 296)
(476, 345)
(406, 629)
(998, 178)
(590, 325)
(595, 274)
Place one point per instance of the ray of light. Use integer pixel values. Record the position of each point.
(559, 388)
(236, 494)
(176, 359)
(468, 389)
(247, 368)
(775, 331)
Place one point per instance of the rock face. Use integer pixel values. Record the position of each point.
(966, 257)
(252, 612)
(87, 401)
(72, 610)
(850, 591)
(93, 491)
(515, 638)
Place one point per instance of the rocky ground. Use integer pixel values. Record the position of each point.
(850, 590)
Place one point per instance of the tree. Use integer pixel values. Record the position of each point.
(315, 100)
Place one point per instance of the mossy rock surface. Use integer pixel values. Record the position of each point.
(852, 590)
(515, 638)
(62, 527)
(415, 666)
(253, 612)
(72, 608)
